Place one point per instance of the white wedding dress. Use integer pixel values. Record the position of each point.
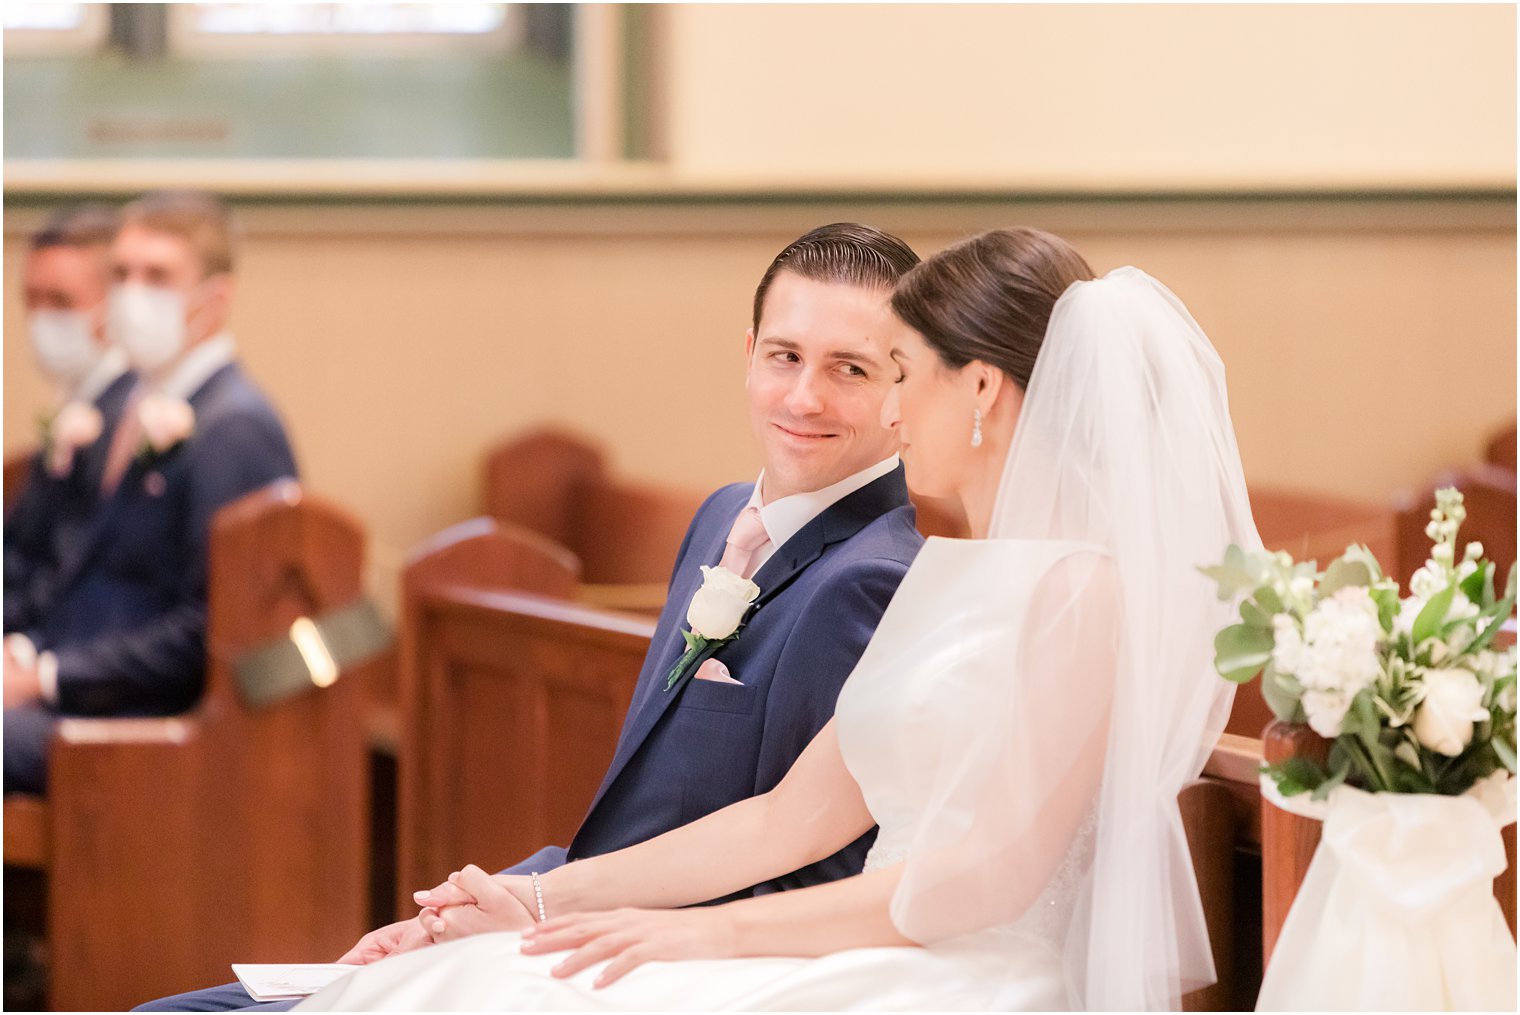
(1019, 726)
(901, 714)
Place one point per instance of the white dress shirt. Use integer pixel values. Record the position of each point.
(785, 517)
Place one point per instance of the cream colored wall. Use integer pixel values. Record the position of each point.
(1367, 344)
(1078, 96)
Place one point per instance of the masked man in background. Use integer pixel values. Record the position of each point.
(122, 628)
(64, 283)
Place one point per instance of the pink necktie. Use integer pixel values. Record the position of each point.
(124, 443)
(747, 536)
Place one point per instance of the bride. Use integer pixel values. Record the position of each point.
(1019, 728)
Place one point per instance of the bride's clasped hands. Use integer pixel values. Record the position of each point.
(474, 902)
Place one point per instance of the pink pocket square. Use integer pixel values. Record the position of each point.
(715, 671)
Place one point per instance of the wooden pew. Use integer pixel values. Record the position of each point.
(175, 846)
(1500, 449)
(474, 701)
(625, 533)
(17, 468)
(1289, 841)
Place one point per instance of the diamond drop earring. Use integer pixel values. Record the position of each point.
(976, 429)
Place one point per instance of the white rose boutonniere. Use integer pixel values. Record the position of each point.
(76, 426)
(166, 422)
(714, 617)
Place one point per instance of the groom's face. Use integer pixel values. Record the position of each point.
(818, 375)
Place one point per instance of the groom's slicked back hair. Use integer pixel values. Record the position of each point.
(846, 252)
(989, 298)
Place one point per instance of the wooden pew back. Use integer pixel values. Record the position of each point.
(179, 845)
(558, 485)
(455, 733)
(17, 468)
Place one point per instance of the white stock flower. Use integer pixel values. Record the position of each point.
(1453, 702)
(1428, 580)
(1340, 643)
(720, 603)
(1287, 646)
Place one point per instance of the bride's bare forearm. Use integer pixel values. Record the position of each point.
(707, 859)
(815, 811)
(850, 913)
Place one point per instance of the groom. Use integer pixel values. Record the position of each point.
(826, 533)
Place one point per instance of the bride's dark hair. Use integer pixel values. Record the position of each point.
(989, 297)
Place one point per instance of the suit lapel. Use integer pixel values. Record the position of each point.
(100, 524)
(838, 522)
(651, 699)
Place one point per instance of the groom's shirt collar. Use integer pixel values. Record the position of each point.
(785, 517)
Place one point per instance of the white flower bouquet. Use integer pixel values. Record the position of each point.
(1411, 690)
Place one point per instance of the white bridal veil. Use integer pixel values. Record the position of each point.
(1060, 815)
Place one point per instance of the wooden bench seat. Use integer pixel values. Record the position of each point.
(176, 846)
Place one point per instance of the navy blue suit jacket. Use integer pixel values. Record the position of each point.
(128, 621)
(686, 753)
(51, 515)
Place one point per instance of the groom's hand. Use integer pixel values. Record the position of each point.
(488, 904)
(402, 936)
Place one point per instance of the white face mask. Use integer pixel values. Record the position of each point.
(148, 322)
(64, 341)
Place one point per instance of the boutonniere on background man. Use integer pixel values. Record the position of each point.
(166, 423)
(76, 425)
(714, 617)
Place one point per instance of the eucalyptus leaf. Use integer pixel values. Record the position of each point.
(1281, 693)
(1240, 651)
(1254, 616)
(1236, 574)
(1267, 598)
(1344, 573)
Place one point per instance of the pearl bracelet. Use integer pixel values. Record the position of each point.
(538, 897)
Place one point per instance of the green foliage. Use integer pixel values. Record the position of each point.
(1296, 776)
(1240, 651)
(1344, 573)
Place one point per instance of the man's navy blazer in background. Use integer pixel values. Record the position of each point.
(128, 621)
(686, 753)
(51, 514)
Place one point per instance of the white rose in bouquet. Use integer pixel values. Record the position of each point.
(720, 603)
(1453, 702)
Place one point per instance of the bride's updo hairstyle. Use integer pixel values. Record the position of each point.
(989, 298)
